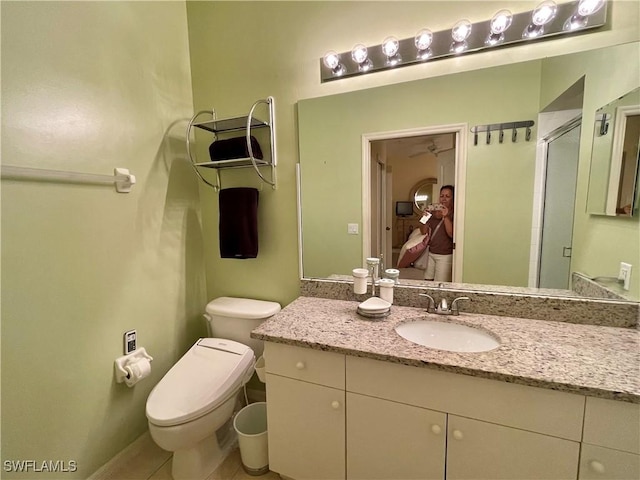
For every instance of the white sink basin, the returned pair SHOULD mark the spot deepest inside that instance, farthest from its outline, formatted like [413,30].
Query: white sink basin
[452,337]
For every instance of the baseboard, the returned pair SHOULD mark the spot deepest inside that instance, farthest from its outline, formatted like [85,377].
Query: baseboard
[126,457]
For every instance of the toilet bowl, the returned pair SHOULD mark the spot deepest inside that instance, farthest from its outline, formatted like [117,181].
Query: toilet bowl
[194,399]
[200,393]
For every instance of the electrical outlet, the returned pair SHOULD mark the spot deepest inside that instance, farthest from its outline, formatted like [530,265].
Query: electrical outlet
[625,274]
[352,228]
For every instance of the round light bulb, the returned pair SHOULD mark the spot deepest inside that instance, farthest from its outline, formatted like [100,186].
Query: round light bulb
[423,39]
[390,46]
[501,21]
[331,59]
[359,53]
[589,7]
[544,13]
[461,30]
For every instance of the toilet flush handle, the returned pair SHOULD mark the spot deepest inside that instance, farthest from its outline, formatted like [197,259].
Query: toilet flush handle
[300,365]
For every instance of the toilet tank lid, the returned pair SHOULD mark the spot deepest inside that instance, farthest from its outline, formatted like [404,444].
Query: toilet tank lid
[242,308]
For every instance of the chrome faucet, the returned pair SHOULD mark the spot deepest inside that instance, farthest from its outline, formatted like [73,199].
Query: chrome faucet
[443,308]
[454,307]
[431,308]
[373,264]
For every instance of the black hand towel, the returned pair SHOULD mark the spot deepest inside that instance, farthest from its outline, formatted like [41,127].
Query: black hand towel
[239,223]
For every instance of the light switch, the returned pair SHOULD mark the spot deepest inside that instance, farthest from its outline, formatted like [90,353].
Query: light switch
[352,228]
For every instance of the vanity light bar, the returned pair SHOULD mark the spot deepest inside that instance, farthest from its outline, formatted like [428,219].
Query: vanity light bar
[564,19]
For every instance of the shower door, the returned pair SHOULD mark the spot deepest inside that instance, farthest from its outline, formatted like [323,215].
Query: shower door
[559,204]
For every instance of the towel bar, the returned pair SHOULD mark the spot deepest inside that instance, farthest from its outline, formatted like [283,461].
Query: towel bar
[121,177]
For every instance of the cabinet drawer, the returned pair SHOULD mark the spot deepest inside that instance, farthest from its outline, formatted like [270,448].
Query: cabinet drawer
[323,368]
[599,463]
[612,424]
[530,408]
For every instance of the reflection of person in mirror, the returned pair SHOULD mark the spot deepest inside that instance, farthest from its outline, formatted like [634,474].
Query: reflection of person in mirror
[439,267]
[626,210]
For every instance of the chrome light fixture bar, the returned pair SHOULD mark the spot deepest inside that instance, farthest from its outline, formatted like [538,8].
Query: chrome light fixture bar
[548,20]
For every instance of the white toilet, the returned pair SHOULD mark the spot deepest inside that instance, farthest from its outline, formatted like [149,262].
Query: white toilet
[198,394]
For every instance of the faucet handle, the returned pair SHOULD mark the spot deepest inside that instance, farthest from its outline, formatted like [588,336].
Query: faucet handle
[454,307]
[432,303]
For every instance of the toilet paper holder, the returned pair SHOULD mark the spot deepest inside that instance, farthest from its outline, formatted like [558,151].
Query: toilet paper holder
[122,362]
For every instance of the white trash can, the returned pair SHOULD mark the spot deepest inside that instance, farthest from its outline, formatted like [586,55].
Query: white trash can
[251,426]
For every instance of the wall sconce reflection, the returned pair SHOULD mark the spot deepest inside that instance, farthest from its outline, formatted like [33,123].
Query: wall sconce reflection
[332,60]
[390,47]
[541,16]
[459,33]
[422,41]
[360,55]
[580,18]
[499,24]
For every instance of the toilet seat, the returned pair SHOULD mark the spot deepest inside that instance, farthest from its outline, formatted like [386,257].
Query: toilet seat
[205,377]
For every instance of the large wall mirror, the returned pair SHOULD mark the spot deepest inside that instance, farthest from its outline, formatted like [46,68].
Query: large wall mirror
[498,184]
[615,158]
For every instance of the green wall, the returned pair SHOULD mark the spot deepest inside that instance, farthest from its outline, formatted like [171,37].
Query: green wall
[87,87]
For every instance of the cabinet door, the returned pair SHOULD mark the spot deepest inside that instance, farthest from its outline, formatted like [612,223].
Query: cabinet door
[612,424]
[599,463]
[306,424]
[389,440]
[478,449]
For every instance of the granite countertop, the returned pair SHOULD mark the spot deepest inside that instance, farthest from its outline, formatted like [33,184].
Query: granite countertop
[589,360]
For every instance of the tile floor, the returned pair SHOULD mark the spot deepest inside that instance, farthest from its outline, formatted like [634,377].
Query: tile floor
[147,461]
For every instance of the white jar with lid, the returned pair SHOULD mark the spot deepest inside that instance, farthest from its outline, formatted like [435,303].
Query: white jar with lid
[386,289]
[392,273]
[360,280]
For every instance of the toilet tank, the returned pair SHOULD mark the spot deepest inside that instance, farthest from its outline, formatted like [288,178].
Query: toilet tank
[234,318]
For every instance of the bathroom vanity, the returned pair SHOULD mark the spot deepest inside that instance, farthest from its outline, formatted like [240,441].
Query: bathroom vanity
[349,398]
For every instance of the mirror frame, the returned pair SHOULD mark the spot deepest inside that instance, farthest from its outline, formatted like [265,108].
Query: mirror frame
[617,157]
[416,188]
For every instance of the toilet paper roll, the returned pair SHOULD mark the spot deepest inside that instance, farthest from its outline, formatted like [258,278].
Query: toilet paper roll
[136,371]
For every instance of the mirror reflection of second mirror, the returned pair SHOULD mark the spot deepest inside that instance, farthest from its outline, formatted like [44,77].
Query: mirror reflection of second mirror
[615,158]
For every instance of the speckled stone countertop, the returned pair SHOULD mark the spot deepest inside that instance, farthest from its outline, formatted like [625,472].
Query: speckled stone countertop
[590,360]
[539,304]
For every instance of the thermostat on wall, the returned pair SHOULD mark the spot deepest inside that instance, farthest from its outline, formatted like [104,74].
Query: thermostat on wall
[130,341]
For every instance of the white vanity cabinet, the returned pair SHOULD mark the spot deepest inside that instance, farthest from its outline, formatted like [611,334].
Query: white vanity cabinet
[305,412]
[611,443]
[332,416]
[494,429]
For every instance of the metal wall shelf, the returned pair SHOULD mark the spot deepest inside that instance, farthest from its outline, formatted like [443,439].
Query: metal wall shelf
[245,124]
[235,124]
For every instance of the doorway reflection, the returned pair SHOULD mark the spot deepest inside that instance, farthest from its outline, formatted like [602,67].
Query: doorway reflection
[405,169]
